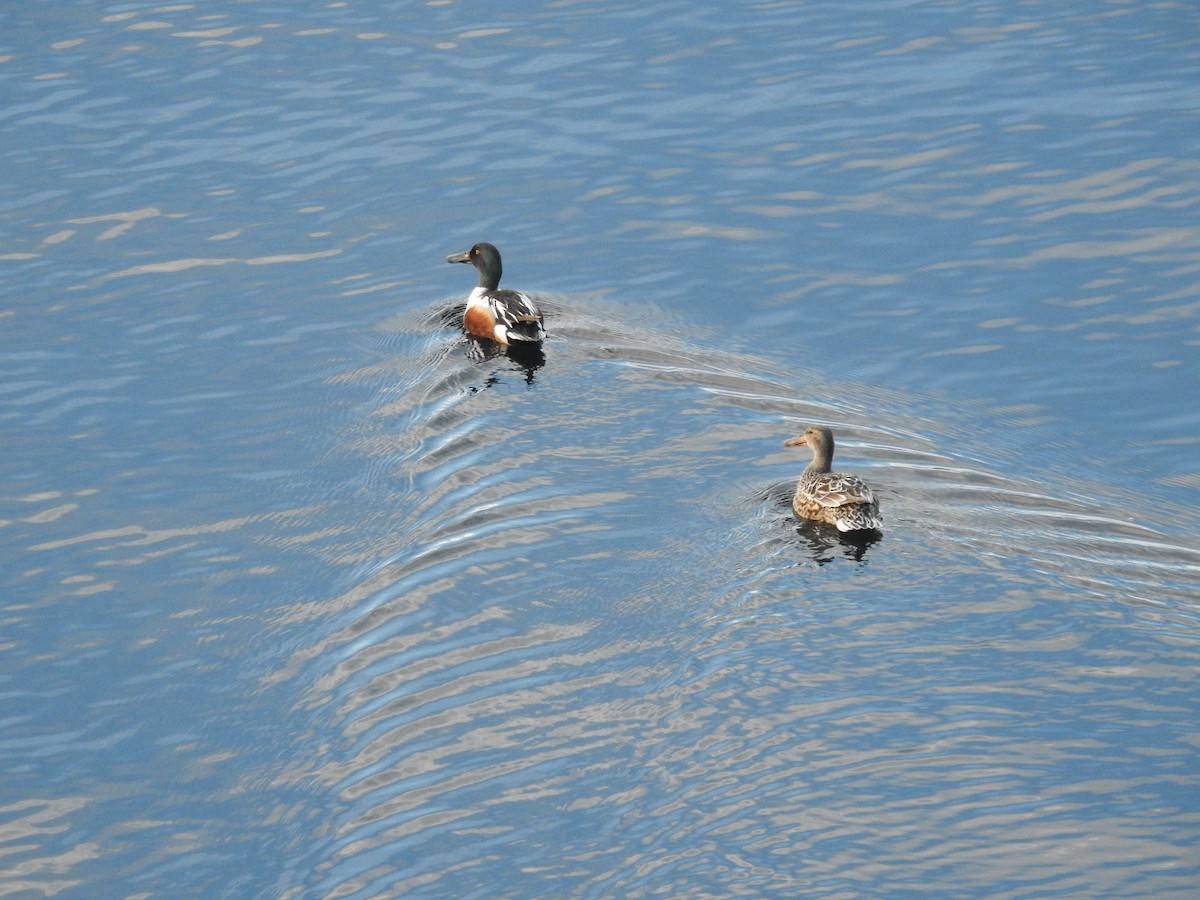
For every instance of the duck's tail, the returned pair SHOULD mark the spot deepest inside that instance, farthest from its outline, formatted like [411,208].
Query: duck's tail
[859,517]
[526,329]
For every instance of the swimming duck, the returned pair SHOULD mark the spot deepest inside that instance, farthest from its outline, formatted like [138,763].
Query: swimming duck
[495,315]
[836,498]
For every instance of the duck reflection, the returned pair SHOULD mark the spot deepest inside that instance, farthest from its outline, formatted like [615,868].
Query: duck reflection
[528,358]
[825,543]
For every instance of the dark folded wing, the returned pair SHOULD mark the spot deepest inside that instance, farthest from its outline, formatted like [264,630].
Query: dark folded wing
[516,313]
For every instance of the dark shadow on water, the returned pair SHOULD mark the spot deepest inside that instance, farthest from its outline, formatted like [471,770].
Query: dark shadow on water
[825,543]
[526,358]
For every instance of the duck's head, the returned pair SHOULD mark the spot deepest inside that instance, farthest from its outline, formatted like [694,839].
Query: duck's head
[484,257]
[818,437]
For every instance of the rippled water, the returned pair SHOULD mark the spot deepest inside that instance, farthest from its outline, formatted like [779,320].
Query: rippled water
[306,596]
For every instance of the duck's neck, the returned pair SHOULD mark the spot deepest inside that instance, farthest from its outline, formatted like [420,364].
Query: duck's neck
[822,461]
[489,280]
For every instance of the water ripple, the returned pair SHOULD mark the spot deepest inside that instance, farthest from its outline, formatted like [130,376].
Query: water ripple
[488,696]
[304,594]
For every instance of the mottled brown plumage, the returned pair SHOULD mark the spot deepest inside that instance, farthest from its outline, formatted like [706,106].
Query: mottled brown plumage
[837,498]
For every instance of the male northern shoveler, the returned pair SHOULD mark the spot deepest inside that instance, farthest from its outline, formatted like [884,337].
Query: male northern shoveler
[502,316]
[836,498]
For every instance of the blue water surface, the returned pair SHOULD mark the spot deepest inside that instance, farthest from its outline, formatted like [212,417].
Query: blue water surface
[306,596]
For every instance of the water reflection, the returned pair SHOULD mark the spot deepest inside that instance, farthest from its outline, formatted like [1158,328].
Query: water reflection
[524,357]
[825,543]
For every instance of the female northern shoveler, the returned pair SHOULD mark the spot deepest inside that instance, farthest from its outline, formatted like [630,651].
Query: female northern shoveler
[501,316]
[836,498]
